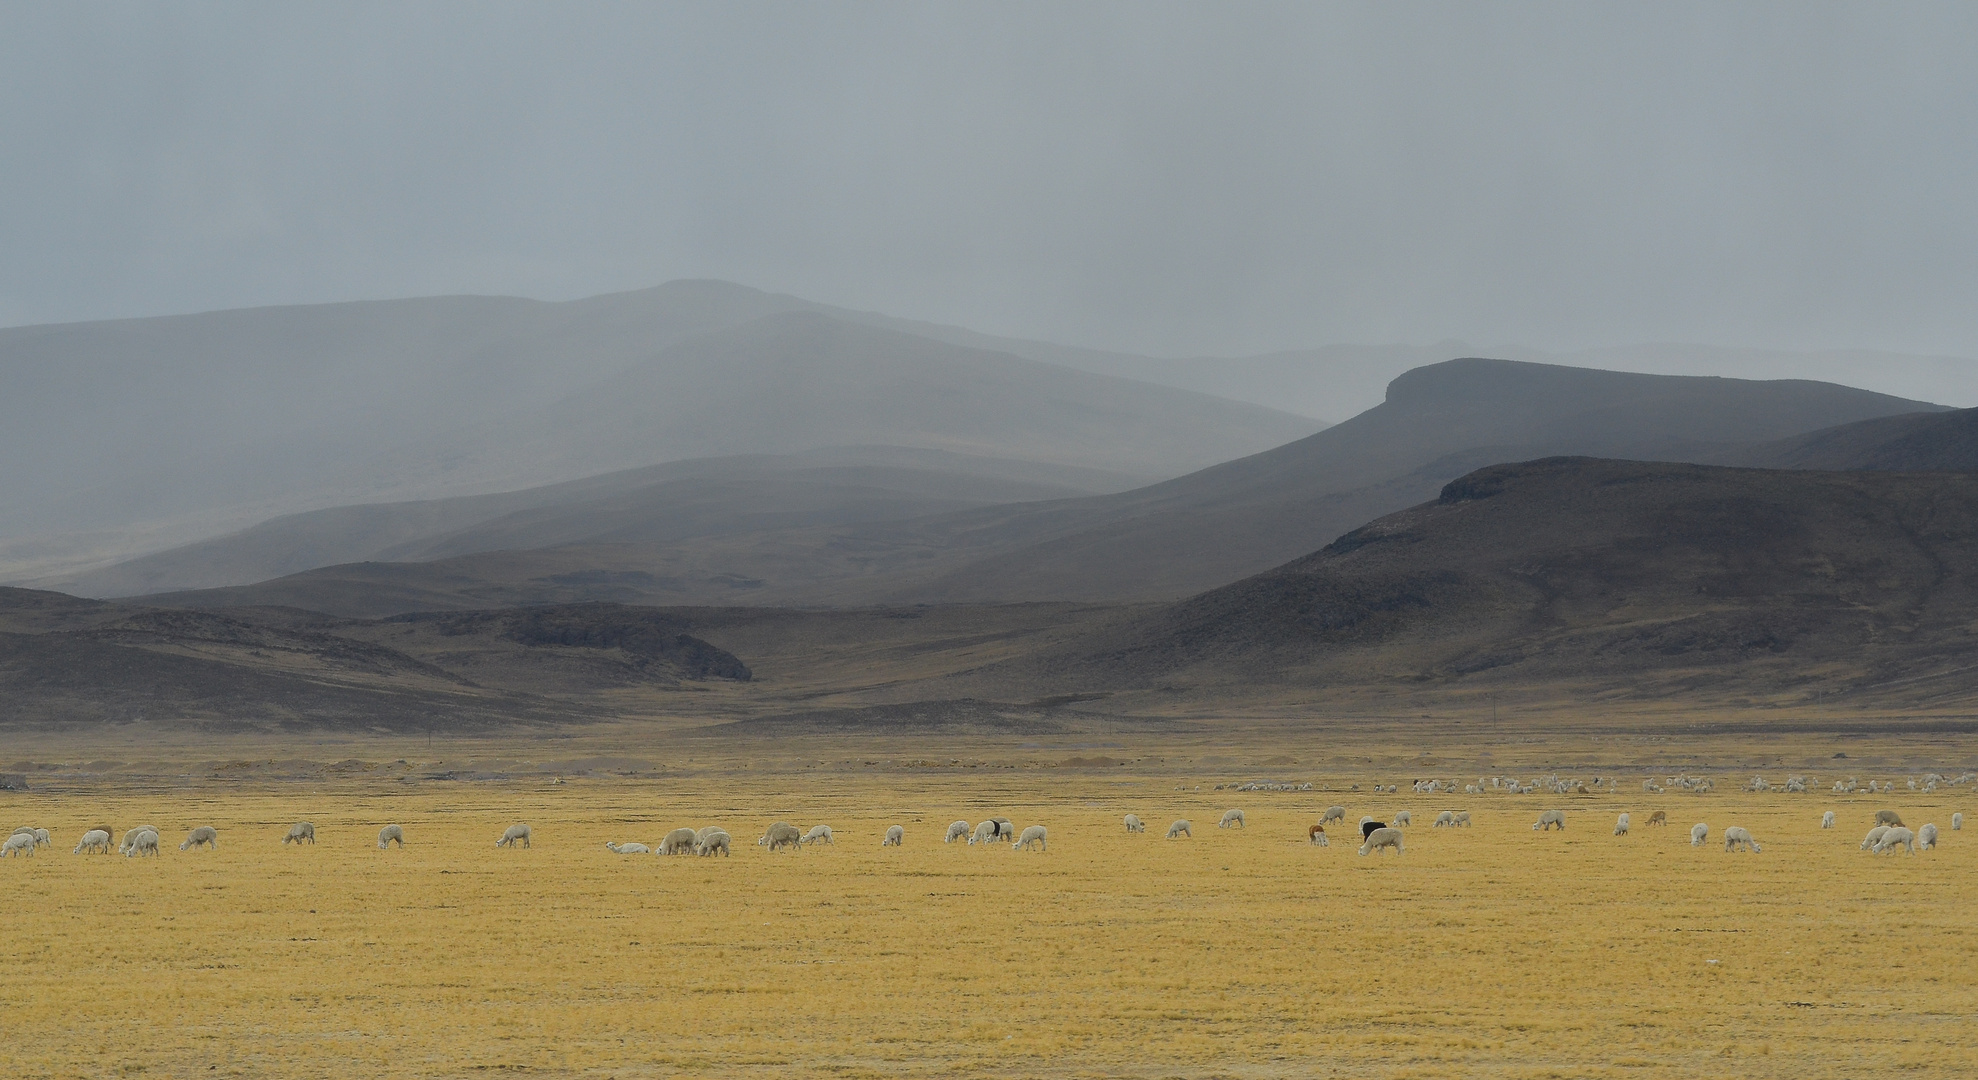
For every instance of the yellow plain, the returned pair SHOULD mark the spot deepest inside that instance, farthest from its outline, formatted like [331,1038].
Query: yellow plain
[1488,951]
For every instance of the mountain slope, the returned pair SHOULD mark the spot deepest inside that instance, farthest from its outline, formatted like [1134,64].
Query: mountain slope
[129,436]
[1636,578]
[1912,442]
[1153,543]
[700,498]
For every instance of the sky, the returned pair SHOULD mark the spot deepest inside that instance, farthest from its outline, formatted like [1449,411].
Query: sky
[1175,179]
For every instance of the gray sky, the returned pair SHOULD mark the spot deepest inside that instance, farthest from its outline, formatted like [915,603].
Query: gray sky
[1213,178]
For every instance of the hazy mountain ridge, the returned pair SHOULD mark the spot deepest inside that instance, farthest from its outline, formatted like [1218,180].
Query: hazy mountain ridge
[1159,542]
[147,431]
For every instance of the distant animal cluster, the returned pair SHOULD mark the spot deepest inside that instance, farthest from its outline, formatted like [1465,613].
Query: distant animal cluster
[1378,836]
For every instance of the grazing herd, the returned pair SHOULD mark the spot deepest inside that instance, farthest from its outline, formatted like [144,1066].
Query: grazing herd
[1890,834]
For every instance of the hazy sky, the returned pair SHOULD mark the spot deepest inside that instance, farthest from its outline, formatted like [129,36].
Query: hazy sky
[1216,178]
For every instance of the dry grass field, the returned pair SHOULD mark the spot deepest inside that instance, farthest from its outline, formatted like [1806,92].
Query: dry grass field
[1488,951]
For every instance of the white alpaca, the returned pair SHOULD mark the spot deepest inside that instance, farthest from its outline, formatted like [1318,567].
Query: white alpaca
[780,835]
[300,832]
[18,844]
[1380,839]
[895,836]
[819,834]
[1874,836]
[1133,823]
[1621,825]
[1403,818]
[146,843]
[1896,837]
[985,832]
[1444,820]
[130,837]
[1699,832]
[41,837]
[628,849]
[1736,837]
[1033,834]
[1462,818]
[202,835]
[516,834]
[713,840]
[1232,819]
[94,840]
[1181,828]
[1926,837]
[390,834]
[958,830]
[1334,813]
[1549,820]
[1957,821]
[1827,820]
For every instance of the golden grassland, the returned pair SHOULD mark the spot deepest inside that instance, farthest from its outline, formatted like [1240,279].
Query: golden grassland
[1489,951]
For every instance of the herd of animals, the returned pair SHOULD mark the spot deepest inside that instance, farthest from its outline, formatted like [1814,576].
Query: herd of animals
[1888,835]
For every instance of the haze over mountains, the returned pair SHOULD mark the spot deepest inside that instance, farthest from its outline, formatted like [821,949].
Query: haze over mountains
[1158,542]
[145,431]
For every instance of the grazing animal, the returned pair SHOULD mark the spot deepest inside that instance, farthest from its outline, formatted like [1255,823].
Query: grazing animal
[1926,837]
[1888,817]
[628,849]
[300,832]
[984,833]
[1369,826]
[1180,828]
[895,836]
[1133,823]
[1874,836]
[94,840]
[1033,834]
[1660,817]
[515,834]
[1699,832]
[1548,820]
[41,837]
[18,844]
[1382,838]
[1232,819]
[1957,821]
[1444,820]
[1333,813]
[1736,837]
[1621,825]
[958,830]
[711,841]
[1896,837]
[390,834]
[1004,830]
[1827,820]
[819,834]
[780,835]
[202,835]
[1403,818]
[1317,835]
[1463,818]
[146,843]
[130,837]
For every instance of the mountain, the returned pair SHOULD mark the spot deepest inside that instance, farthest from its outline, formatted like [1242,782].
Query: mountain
[1158,542]
[701,499]
[1918,442]
[1624,581]
[132,436]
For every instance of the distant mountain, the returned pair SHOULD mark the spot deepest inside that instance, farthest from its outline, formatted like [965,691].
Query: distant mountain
[1159,542]
[1629,580]
[1437,423]
[1914,442]
[132,436]
[702,499]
